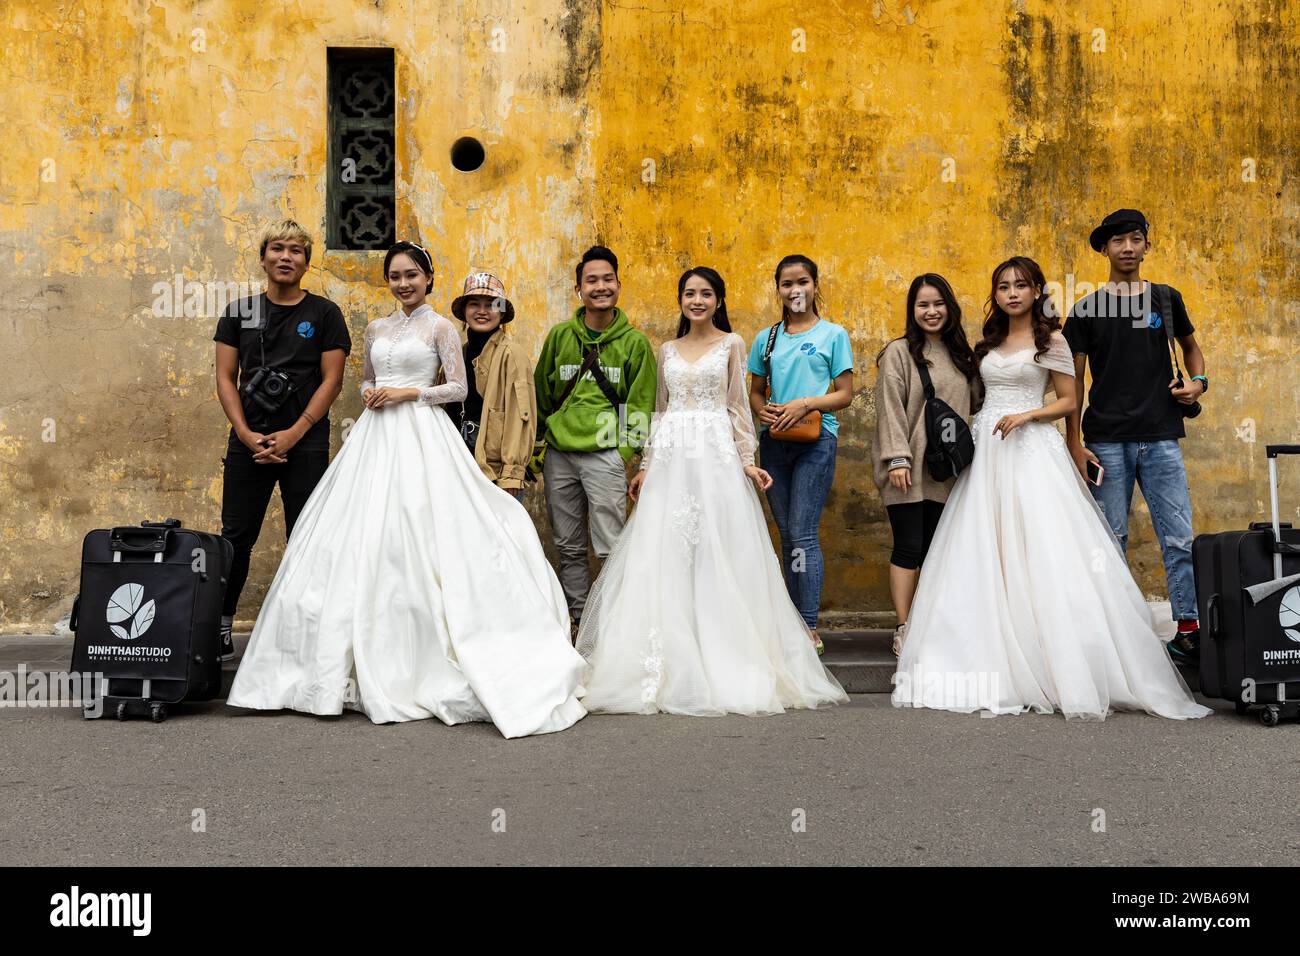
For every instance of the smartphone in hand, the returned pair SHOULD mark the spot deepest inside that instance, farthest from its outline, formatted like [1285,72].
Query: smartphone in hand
[1095,472]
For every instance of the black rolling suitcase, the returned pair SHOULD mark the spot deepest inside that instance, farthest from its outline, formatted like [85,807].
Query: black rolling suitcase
[1248,594]
[148,618]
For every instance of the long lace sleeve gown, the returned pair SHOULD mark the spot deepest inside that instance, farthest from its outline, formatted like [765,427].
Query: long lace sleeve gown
[690,614]
[412,586]
[1025,601]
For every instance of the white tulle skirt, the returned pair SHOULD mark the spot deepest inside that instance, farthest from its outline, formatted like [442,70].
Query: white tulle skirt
[412,587]
[690,613]
[1025,601]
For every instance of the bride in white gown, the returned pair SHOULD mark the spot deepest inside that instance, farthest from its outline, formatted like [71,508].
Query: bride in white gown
[1025,601]
[412,586]
[690,614]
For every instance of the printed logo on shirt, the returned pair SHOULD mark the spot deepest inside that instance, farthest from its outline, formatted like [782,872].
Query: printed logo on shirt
[306,329]
[1154,321]
[612,372]
[808,348]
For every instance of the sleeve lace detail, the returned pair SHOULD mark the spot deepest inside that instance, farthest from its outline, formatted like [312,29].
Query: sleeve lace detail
[1058,357]
[742,421]
[661,403]
[368,365]
[446,342]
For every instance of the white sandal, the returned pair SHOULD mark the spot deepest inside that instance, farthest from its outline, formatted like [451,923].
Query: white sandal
[900,632]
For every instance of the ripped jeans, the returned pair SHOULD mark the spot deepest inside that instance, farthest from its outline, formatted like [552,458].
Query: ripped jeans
[1158,469]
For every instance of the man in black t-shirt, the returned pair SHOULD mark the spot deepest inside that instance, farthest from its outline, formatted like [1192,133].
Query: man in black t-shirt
[1136,405]
[279,362]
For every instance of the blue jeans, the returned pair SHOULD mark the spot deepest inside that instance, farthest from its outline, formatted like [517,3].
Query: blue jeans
[1158,469]
[801,479]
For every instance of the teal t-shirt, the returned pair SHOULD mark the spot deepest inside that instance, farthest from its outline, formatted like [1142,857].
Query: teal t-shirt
[804,365]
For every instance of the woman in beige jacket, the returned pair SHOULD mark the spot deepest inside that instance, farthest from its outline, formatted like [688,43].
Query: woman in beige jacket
[499,417]
[913,500]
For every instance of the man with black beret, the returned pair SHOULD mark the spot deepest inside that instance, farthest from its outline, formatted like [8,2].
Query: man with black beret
[1136,405]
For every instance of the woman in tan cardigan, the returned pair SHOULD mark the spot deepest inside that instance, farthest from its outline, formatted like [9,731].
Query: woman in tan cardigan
[499,416]
[914,500]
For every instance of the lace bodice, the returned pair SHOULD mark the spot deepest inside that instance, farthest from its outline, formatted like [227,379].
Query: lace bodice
[1015,382]
[708,392]
[407,351]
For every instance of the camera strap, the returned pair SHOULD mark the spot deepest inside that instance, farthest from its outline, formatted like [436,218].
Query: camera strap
[1164,305]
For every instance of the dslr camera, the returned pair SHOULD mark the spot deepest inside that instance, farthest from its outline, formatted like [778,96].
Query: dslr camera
[1189,411]
[266,390]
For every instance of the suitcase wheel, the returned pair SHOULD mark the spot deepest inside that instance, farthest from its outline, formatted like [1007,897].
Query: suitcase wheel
[157,712]
[121,710]
[1270,715]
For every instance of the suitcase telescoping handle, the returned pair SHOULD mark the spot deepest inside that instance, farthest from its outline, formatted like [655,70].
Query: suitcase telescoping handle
[1279,546]
[169,523]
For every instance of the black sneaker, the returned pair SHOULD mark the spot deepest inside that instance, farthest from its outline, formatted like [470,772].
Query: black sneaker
[227,646]
[1186,646]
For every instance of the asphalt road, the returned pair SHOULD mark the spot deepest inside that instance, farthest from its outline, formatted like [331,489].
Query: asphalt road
[875,786]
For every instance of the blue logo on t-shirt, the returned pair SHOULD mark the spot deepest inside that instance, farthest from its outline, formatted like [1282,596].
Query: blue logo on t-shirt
[808,348]
[1154,321]
[306,329]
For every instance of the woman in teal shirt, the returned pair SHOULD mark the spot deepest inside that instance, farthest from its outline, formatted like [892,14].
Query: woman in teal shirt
[810,369]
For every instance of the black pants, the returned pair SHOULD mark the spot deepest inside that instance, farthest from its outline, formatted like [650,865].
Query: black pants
[913,525]
[246,493]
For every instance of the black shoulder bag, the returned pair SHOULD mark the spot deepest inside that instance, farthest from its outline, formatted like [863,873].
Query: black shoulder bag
[949,445]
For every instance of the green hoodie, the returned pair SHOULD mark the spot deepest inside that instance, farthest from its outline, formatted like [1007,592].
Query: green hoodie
[588,422]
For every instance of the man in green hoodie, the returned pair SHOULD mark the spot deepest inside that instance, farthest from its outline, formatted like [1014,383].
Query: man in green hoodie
[598,426]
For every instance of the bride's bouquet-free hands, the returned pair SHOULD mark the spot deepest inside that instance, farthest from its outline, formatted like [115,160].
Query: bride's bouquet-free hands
[388,395]
[761,479]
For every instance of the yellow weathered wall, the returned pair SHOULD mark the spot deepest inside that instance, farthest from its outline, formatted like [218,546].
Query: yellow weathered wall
[168,160]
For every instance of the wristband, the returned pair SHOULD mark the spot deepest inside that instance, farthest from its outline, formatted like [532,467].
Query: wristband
[1205,383]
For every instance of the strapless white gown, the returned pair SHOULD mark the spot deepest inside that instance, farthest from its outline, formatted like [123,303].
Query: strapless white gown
[1025,600]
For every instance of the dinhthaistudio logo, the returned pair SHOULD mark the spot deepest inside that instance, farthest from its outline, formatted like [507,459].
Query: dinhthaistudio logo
[129,615]
[306,329]
[1288,614]
[808,348]
[1154,321]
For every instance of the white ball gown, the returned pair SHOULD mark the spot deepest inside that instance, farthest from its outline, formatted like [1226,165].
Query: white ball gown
[690,613]
[412,586]
[1025,600]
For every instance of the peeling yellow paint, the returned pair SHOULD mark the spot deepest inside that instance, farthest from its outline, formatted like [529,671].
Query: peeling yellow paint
[134,159]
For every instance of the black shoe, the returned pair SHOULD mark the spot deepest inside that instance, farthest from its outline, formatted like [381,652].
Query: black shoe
[227,646]
[1186,646]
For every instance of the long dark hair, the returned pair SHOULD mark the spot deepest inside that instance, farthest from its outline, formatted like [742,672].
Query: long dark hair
[710,276]
[953,335]
[799,260]
[997,323]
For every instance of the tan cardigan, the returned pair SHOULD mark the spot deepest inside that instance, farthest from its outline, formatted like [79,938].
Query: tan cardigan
[504,377]
[900,419]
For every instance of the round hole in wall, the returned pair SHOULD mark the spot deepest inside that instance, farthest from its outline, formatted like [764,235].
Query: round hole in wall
[467,154]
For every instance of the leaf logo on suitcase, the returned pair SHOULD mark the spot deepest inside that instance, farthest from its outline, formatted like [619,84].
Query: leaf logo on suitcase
[1288,614]
[125,606]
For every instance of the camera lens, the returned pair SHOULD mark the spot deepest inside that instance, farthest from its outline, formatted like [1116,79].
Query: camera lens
[274,386]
